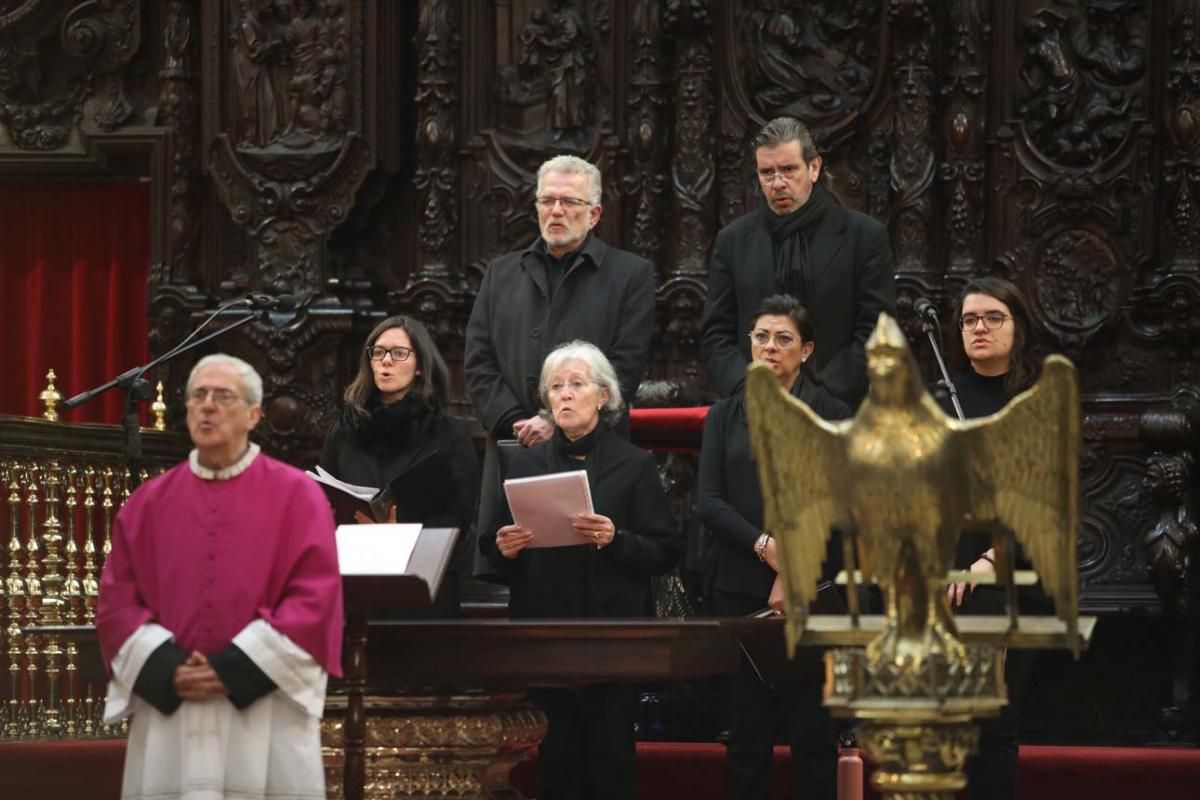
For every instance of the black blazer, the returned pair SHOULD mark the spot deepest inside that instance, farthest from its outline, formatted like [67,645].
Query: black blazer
[584,581]
[730,499]
[606,298]
[852,281]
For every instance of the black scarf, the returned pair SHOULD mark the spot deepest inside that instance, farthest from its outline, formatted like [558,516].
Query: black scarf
[391,427]
[790,234]
[581,446]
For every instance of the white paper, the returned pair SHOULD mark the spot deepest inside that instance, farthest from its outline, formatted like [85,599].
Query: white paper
[376,549]
[547,504]
[323,476]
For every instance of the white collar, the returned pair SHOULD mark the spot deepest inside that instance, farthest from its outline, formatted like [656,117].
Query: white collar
[232,471]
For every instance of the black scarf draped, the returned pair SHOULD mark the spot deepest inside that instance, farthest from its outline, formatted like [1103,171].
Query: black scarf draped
[790,233]
[391,427]
[581,446]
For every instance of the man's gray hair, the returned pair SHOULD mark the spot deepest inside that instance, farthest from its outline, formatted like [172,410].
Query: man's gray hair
[598,365]
[252,386]
[574,165]
[787,129]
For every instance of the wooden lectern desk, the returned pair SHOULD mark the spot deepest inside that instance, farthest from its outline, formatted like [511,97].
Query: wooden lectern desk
[437,708]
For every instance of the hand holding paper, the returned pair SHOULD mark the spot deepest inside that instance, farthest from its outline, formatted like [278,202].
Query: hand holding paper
[512,539]
[549,505]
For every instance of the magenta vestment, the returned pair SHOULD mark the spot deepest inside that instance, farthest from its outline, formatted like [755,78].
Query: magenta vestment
[205,558]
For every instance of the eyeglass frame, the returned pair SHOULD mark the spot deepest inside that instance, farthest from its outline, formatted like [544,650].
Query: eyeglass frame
[768,177]
[370,350]
[962,321]
[220,395]
[550,390]
[774,337]
[568,203]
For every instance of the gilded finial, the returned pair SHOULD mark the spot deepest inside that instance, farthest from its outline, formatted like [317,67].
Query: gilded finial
[159,407]
[50,397]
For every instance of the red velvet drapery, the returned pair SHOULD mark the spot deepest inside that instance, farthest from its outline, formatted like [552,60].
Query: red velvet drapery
[73,263]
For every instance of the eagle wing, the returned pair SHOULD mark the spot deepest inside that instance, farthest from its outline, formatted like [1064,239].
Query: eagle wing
[801,467]
[1023,465]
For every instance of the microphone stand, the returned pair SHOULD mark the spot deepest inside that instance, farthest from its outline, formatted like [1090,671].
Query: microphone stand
[137,388]
[931,330]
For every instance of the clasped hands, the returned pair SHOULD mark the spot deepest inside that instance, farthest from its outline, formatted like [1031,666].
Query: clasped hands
[196,680]
[512,539]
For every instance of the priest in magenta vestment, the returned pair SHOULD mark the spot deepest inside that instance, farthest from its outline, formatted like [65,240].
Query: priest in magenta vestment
[220,612]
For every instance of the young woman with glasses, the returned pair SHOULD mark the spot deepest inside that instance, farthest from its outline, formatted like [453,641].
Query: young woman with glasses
[394,416]
[998,340]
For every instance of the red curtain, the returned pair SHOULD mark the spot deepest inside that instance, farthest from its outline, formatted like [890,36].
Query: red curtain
[73,263]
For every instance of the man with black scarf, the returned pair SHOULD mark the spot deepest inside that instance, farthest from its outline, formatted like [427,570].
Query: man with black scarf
[835,261]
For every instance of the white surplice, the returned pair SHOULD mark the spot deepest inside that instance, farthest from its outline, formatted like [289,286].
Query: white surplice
[210,750]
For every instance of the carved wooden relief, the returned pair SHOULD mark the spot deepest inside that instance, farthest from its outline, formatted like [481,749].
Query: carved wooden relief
[60,70]
[285,123]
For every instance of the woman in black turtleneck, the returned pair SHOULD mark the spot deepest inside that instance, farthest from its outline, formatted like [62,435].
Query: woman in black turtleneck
[588,751]
[744,570]
[997,339]
[395,416]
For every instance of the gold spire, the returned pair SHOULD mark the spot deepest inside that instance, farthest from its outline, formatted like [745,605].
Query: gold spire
[50,398]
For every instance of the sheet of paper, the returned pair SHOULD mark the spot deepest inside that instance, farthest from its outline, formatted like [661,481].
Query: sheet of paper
[546,504]
[376,549]
[323,476]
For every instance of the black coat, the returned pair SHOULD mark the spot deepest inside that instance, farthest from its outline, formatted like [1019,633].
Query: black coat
[359,452]
[730,497]
[851,282]
[606,297]
[583,580]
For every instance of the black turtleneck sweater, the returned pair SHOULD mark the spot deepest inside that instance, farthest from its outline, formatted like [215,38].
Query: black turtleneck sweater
[979,395]
[583,580]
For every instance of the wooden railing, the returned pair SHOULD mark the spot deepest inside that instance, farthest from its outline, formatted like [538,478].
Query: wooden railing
[61,485]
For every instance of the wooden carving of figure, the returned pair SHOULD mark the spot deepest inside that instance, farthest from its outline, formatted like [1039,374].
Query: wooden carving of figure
[566,55]
[302,37]
[334,47]
[252,72]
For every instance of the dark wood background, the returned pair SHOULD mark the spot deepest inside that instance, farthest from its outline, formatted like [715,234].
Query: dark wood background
[371,157]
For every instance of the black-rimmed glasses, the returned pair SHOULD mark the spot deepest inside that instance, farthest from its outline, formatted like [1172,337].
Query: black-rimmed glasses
[991,320]
[398,353]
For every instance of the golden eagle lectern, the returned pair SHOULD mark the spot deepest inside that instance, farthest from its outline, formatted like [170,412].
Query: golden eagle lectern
[904,480]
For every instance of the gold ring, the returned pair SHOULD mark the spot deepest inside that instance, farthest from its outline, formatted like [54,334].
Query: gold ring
[597,536]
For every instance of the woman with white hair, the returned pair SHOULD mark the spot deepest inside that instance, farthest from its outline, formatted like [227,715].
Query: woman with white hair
[588,751]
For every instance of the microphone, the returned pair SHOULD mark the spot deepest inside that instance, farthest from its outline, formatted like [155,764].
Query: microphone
[283,302]
[926,310]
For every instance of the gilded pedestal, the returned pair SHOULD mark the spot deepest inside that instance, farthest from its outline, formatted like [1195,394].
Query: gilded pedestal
[435,746]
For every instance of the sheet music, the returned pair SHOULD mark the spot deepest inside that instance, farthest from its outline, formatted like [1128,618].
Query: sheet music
[546,504]
[361,492]
[376,549]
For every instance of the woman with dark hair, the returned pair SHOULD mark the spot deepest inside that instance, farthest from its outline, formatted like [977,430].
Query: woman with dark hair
[394,417]
[588,752]
[998,341]
[741,574]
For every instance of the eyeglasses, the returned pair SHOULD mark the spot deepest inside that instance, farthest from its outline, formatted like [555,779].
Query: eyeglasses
[787,172]
[783,339]
[222,397]
[576,386]
[991,320]
[377,353]
[568,203]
